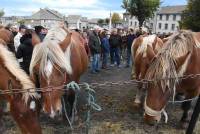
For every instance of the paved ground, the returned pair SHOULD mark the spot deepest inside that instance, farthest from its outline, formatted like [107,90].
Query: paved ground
[117,116]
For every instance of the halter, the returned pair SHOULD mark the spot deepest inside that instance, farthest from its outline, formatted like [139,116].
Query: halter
[157,114]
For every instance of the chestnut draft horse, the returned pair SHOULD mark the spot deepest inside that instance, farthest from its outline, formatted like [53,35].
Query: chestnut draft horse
[179,56]
[60,59]
[143,50]
[22,105]
[7,39]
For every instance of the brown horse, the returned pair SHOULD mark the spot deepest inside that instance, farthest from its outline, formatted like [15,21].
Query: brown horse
[179,57]
[7,39]
[59,59]
[143,50]
[22,105]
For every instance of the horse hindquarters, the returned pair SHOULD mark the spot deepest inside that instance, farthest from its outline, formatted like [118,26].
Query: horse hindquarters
[26,119]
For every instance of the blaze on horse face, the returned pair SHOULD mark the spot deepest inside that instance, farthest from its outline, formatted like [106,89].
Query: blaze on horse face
[53,82]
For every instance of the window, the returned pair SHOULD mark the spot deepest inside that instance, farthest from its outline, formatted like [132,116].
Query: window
[135,23]
[174,17]
[173,27]
[160,16]
[131,23]
[167,17]
[159,25]
[166,26]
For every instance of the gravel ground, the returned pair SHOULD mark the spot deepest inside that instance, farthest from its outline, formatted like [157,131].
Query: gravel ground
[117,116]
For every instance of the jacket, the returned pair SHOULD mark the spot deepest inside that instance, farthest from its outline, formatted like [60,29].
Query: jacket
[105,45]
[94,43]
[115,41]
[25,51]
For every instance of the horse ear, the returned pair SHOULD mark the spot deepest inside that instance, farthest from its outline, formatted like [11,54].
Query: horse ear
[35,39]
[64,44]
[181,60]
[150,53]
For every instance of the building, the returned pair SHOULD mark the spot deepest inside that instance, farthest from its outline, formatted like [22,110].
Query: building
[45,17]
[166,20]
[77,22]
[12,20]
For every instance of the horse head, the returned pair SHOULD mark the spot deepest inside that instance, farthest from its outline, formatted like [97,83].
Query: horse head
[51,68]
[172,62]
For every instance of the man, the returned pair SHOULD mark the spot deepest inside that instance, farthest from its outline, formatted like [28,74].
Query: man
[95,49]
[115,43]
[40,32]
[22,29]
[131,37]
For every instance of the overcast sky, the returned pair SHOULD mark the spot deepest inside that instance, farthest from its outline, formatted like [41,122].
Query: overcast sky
[87,8]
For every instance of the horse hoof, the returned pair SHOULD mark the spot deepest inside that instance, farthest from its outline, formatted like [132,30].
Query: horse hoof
[184,125]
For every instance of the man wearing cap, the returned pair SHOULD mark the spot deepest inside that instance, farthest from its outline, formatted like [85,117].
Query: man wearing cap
[95,49]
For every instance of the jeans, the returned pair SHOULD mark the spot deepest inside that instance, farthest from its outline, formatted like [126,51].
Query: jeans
[128,56]
[105,59]
[115,54]
[95,62]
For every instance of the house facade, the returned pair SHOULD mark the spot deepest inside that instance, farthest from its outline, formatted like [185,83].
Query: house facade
[165,21]
[45,17]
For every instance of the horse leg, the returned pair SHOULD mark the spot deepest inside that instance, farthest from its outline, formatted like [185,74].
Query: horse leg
[186,106]
[26,119]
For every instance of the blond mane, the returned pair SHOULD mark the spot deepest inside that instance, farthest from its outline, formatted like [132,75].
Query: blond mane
[143,47]
[13,67]
[164,65]
[49,51]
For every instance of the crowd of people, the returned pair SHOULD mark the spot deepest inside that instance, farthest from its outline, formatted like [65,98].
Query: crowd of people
[105,48]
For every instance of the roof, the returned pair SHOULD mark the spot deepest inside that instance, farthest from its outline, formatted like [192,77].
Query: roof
[172,9]
[47,14]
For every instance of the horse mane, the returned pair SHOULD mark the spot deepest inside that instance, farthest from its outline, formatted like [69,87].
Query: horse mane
[49,50]
[164,65]
[148,40]
[13,67]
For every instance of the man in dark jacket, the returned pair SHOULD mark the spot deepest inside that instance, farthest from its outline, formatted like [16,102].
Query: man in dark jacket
[115,43]
[25,50]
[131,37]
[95,49]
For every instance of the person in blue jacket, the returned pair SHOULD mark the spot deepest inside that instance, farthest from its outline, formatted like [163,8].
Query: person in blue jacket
[105,49]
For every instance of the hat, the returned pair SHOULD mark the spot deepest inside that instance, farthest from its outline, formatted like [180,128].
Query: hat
[22,27]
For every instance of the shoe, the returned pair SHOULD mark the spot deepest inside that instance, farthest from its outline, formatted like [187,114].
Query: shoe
[119,66]
[93,72]
[127,66]
[112,65]
[97,71]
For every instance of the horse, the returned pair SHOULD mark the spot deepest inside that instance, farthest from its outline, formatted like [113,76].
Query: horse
[143,50]
[22,105]
[178,57]
[7,39]
[58,60]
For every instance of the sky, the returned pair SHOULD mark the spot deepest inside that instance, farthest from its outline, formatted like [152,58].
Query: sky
[86,8]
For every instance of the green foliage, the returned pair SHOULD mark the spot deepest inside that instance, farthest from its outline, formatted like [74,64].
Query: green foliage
[2,12]
[107,20]
[21,22]
[100,21]
[142,9]
[191,16]
[116,18]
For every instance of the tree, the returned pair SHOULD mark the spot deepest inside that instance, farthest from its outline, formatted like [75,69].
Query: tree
[107,20]
[191,17]
[21,22]
[115,18]
[100,21]
[141,9]
[1,13]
